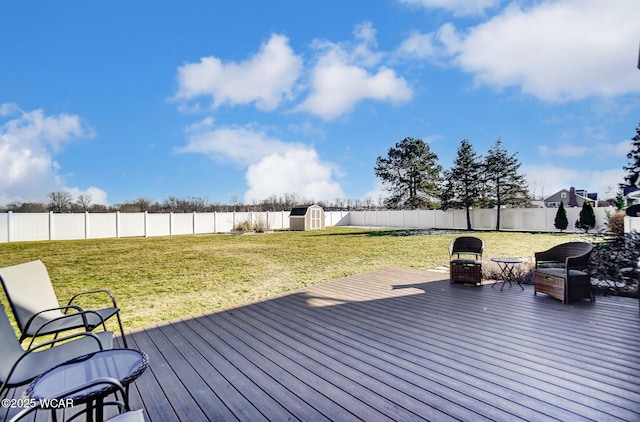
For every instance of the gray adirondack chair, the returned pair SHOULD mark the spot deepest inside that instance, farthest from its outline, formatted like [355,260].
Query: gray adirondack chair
[19,366]
[36,308]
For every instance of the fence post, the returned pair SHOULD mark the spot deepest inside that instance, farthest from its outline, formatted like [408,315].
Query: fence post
[171,223]
[215,221]
[50,225]
[194,222]
[145,223]
[86,225]
[117,224]
[9,226]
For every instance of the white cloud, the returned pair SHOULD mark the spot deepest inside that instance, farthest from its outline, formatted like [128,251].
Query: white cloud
[604,181]
[340,78]
[98,196]
[457,7]
[265,79]
[437,47]
[365,51]
[378,194]
[299,171]
[274,167]
[600,150]
[419,46]
[338,87]
[241,145]
[28,142]
[34,127]
[614,150]
[563,151]
[342,75]
[555,50]
[549,179]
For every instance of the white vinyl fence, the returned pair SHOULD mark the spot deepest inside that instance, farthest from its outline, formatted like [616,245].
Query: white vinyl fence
[16,227]
[518,219]
[631,224]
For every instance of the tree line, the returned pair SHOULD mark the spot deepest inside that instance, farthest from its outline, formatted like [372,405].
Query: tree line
[63,202]
[411,174]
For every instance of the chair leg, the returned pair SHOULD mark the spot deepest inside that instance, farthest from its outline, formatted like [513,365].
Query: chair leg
[124,339]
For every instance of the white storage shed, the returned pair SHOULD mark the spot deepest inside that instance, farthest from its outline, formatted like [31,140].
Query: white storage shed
[306,217]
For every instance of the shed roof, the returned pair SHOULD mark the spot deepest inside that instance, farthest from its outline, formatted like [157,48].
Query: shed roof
[301,209]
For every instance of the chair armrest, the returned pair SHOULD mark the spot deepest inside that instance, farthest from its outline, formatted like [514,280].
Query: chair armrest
[65,338]
[43,345]
[82,312]
[544,256]
[549,263]
[60,308]
[105,291]
[547,257]
[577,262]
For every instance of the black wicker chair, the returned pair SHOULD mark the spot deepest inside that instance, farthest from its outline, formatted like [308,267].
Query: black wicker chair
[462,268]
[563,272]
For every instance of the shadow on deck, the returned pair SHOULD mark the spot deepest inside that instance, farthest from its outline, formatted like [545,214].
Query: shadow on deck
[396,344]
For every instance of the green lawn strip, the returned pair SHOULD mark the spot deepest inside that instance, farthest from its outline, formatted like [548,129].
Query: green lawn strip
[160,278]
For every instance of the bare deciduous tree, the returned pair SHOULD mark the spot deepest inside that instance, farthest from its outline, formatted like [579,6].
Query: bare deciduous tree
[84,201]
[59,201]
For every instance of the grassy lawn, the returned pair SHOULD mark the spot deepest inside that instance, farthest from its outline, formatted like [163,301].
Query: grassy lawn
[162,278]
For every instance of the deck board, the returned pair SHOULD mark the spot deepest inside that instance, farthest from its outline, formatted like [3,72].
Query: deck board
[404,344]
[396,344]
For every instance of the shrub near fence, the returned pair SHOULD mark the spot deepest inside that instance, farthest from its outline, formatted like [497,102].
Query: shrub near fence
[15,227]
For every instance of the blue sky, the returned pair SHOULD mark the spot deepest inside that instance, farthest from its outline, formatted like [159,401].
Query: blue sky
[206,99]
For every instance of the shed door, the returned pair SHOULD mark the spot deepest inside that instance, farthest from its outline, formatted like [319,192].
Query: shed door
[316,219]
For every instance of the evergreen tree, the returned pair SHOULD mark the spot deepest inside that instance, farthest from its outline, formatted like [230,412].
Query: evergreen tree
[463,182]
[561,222]
[619,202]
[587,219]
[411,174]
[633,156]
[503,184]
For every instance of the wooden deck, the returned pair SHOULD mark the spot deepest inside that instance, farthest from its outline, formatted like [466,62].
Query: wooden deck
[396,344]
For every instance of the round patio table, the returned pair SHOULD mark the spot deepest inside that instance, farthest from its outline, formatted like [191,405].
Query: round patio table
[125,365]
[506,275]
